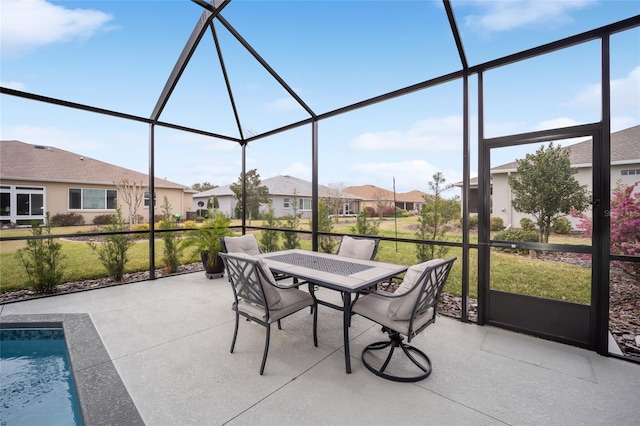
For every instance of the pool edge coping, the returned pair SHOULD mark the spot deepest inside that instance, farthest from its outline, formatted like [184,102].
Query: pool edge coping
[104,399]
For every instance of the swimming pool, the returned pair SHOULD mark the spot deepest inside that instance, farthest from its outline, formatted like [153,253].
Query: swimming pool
[37,384]
[104,399]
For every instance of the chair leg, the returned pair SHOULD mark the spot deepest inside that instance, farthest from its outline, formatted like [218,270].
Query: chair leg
[279,325]
[315,325]
[235,332]
[266,349]
[415,355]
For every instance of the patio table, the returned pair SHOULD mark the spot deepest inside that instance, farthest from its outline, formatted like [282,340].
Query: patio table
[343,274]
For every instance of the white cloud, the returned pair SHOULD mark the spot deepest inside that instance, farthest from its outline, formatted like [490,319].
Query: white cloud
[16,85]
[625,93]
[499,16]
[431,134]
[299,170]
[556,123]
[283,104]
[30,24]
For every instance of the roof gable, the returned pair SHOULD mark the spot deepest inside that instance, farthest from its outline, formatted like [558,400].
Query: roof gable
[625,146]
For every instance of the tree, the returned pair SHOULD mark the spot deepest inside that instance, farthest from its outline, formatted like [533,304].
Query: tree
[381,202]
[112,251]
[545,188]
[204,186]
[326,243]
[335,199]
[364,226]
[256,194]
[291,240]
[270,237]
[172,249]
[432,223]
[43,259]
[131,194]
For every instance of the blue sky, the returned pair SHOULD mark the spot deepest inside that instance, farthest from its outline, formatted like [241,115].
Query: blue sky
[118,54]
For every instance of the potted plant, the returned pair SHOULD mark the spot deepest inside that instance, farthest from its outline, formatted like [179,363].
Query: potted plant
[206,241]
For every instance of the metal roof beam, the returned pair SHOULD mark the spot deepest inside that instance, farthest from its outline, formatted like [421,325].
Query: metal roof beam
[199,30]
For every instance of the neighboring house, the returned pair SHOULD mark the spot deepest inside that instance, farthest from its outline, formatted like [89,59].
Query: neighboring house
[283,191]
[36,179]
[375,197]
[625,168]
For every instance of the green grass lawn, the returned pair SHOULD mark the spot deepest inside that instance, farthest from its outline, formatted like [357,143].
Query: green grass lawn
[509,272]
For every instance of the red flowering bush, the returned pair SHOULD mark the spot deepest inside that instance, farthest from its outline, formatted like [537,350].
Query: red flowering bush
[625,225]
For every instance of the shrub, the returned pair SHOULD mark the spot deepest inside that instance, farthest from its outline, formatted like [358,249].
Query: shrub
[67,219]
[527,224]
[371,212]
[189,224]
[43,260]
[404,213]
[516,235]
[496,224]
[390,211]
[103,219]
[561,225]
[200,219]
[112,251]
[140,227]
[365,226]
[473,221]
[172,249]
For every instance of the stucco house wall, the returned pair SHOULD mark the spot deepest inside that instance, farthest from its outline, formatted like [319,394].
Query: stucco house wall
[625,168]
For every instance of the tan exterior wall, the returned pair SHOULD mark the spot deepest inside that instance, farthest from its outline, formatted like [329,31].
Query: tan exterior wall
[56,200]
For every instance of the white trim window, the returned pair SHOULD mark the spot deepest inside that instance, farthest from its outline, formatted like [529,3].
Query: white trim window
[286,203]
[22,204]
[92,199]
[304,204]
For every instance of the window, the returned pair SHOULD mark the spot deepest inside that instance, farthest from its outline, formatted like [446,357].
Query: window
[5,203]
[22,204]
[92,199]
[146,199]
[286,203]
[630,172]
[304,203]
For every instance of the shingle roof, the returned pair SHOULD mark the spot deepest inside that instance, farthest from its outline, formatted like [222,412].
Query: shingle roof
[281,185]
[372,192]
[23,161]
[625,147]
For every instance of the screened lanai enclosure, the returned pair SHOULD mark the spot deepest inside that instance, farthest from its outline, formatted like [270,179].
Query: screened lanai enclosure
[438,98]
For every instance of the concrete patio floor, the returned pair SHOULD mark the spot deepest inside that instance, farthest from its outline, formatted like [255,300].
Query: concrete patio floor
[169,341]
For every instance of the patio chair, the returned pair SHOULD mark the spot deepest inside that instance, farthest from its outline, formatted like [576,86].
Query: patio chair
[358,247]
[406,312]
[259,298]
[248,244]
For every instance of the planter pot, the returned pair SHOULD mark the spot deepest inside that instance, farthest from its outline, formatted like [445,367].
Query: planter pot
[216,270]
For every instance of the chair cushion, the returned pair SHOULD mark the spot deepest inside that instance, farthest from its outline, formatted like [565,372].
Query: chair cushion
[402,307]
[357,248]
[292,300]
[244,244]
[376,307]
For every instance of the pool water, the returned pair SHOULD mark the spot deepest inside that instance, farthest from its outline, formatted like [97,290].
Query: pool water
[36,381]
